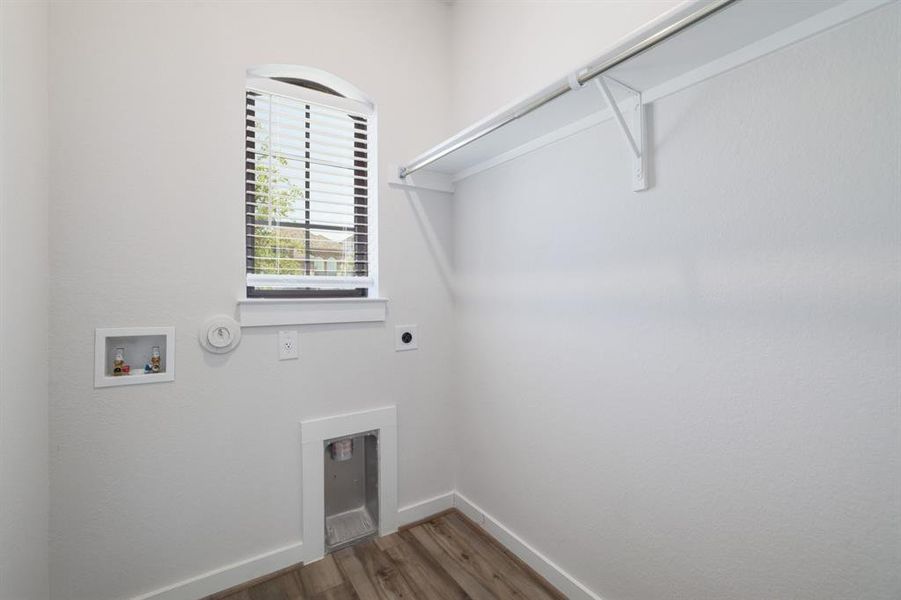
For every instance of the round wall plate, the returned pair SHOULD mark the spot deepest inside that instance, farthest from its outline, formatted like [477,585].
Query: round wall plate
[220,334]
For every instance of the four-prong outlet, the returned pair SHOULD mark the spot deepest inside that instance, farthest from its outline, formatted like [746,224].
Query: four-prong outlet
[406,337]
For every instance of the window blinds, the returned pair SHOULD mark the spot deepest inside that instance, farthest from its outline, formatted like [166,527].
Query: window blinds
[306,183]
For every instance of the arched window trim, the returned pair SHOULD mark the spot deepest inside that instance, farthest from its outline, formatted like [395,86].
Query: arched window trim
[343,87]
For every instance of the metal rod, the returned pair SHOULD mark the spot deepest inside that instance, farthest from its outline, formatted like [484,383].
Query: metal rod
[592,72]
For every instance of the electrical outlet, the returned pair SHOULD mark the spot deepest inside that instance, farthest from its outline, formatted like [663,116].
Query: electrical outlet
[406,337]
[287,345]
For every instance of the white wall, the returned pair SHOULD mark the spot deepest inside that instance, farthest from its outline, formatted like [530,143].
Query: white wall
[506,49]
[701,403]
[24,444]
[693,392]
[154,484]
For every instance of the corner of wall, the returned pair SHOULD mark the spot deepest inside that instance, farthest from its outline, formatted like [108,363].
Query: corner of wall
[24,283]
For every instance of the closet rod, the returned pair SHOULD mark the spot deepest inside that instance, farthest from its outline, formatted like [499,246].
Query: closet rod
[590,73]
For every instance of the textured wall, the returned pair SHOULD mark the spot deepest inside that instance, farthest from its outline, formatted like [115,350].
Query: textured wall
[154,484]
[692,392]
[507,49]
[24,443]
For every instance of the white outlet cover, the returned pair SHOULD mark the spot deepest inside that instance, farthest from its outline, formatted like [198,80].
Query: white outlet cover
[399,344]
[287,345]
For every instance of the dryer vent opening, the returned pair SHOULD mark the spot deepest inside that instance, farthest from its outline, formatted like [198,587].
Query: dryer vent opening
[351,490]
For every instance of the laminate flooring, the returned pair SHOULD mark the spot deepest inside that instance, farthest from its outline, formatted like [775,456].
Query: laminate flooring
[445,558]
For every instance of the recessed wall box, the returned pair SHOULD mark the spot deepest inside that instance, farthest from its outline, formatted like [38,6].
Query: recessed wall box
[351,490]
[133,355]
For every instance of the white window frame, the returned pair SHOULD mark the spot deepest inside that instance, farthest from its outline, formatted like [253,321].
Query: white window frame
[354,102]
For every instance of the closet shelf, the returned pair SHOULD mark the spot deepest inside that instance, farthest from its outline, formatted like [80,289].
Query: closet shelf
[694,42]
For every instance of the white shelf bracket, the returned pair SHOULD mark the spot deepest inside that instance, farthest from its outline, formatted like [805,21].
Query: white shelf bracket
[423,180]
[634,136]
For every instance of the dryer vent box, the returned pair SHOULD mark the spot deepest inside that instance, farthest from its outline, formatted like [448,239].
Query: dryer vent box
[351,490]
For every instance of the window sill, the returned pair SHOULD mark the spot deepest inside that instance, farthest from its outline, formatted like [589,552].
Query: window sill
[264,312]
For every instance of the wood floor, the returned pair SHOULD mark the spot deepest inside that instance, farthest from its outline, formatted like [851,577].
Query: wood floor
[445,558]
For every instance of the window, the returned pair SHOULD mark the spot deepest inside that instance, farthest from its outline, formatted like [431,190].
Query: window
[309,201]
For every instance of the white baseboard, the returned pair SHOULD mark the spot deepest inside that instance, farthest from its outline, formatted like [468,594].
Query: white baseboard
[237,573]
[571,587]
[422,510]
[229,575]
[269,562]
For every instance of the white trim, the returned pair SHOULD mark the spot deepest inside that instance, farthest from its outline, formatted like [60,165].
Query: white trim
[342,86]
[243,571]
[424,509]
[228,576]
[372,209]
[101,379]
[336,282]
[313,434]
[469,509]
[819,23]
[265,312]
[325,428]
[308,96]
[571,587]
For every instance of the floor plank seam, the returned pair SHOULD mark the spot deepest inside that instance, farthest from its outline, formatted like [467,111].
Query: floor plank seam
[447,556]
